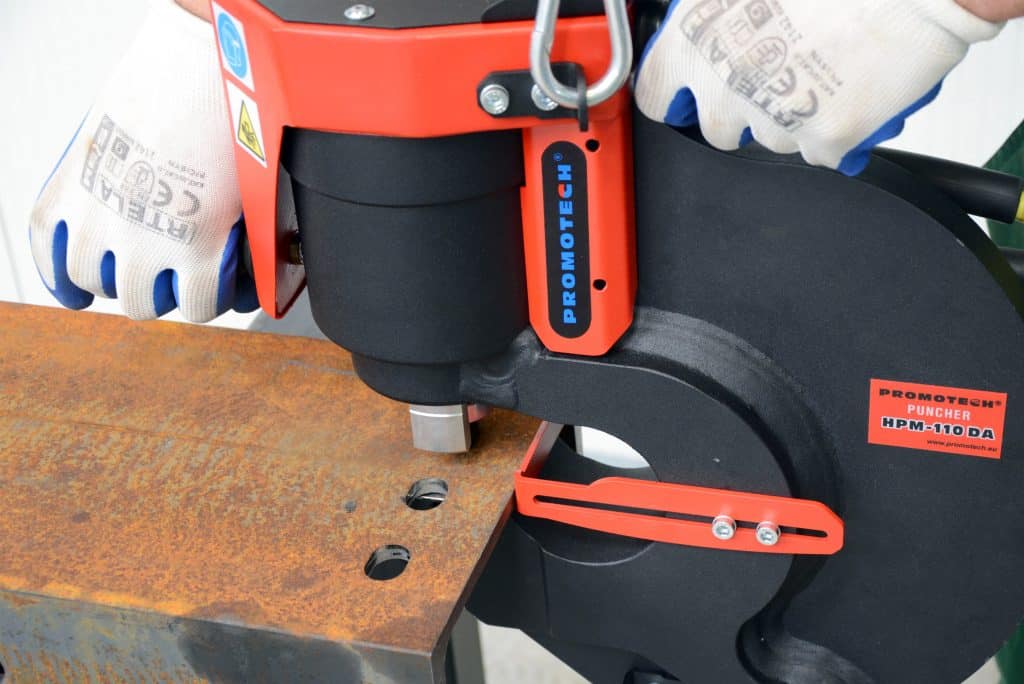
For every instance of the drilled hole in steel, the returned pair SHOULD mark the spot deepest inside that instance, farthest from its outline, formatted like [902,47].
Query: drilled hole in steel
[387,562]
[593,145]
[430,492]
[600,284]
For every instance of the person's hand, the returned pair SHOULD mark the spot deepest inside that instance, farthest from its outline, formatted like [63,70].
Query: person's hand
[144,205]
[830,79]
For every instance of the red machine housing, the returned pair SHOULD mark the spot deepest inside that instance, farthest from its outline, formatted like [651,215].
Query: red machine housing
[420,83]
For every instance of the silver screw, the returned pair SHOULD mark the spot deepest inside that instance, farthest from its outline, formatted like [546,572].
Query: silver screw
[723,527]
[542,101]
[494,99]
[359,12]
[768,533]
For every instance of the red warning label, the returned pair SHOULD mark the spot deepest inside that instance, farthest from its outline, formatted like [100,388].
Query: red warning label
[947,419]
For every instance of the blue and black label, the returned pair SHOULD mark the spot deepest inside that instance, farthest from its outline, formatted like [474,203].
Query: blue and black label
[567,236]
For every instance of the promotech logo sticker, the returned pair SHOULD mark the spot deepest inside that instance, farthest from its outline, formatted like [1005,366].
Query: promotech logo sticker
[567,238]
[950,420]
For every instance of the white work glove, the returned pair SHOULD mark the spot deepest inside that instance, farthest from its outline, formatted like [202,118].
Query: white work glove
[144,205]
[827,78]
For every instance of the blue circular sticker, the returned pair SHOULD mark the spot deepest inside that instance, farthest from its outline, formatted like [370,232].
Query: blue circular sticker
[232,46]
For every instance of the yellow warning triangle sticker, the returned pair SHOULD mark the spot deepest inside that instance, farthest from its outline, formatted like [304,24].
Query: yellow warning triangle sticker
[247,133]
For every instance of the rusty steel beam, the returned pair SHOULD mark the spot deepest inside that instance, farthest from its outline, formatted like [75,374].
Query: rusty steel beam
[181,503]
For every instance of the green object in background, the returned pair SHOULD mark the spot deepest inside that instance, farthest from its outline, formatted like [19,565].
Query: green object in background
[1009,159]
[1011,659]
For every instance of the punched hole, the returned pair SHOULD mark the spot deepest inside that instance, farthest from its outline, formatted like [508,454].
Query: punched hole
[387,562]
[600,284]
[430,492]
[593,145]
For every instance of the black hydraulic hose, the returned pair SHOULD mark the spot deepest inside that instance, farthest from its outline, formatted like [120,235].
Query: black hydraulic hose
[979,192]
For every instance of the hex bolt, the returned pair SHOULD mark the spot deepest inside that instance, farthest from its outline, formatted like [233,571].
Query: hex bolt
[494,99]
[768,533]
[542,101]
[359,12]
[723,527]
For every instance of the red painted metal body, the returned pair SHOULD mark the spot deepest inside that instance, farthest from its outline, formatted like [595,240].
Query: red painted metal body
[419,83]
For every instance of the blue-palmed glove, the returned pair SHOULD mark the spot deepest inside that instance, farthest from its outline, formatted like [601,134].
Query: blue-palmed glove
[144,206]
[830,79]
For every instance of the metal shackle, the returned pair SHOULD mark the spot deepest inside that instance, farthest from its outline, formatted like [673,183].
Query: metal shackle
[618,70]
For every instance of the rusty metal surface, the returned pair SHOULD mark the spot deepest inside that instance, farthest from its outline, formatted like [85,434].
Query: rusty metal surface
[200,504]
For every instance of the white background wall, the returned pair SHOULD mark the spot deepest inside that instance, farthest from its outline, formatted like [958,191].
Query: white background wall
[54,54]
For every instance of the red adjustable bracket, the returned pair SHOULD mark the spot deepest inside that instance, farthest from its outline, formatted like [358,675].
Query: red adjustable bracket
[763,524]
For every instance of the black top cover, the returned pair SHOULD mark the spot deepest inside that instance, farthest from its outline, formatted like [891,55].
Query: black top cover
[397,14]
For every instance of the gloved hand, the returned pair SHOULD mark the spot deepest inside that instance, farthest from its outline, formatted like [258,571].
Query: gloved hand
[144,205]
[830,79]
